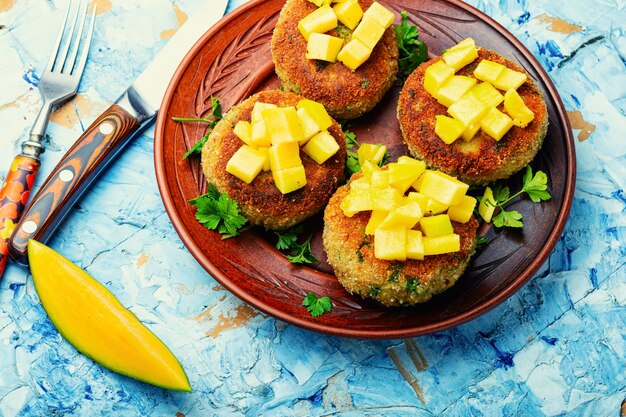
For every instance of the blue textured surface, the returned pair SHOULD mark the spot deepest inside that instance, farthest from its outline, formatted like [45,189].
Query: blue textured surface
[557,347]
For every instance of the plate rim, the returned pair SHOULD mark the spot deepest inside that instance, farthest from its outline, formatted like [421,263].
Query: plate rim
[456,320]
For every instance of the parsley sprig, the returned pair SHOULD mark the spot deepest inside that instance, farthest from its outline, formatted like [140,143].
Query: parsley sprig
[352,159]
[218,212]
[297,253]
[317,306]
[214,117]
[412,51]
[535,186]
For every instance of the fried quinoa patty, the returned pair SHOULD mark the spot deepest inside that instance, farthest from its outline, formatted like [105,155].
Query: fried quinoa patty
[351,254]
[482,160]
[346,94]
[260,201]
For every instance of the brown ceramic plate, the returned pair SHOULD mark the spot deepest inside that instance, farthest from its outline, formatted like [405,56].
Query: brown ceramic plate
[232,61]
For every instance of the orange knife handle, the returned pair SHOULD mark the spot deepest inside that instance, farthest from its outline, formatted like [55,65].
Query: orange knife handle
[82,164]
[13,198]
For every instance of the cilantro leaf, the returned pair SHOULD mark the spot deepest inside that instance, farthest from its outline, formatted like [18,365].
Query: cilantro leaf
[297,253]
[481,240]
[317,306]
[352,159]
[303,254]
[215,211]
[507,219]
[288,239]
[214,117]
[536,186]
[412,51]
[351,141]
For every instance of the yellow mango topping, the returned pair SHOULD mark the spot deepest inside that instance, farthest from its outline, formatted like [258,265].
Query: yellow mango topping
[321,147]
[360,184]
[380,14]
[257,111]
[349,13]
[379,179]
[390,244]
[442,244]
[510,80]
[470,131]
[436,75]
[320,21]
[243,130]
[371,152]
[468,110]
[259,136]
[461,54]
[376,218]
[517,109]
[354,53]
[496,124]
[428,205]
[386,199]
[488,71]
[265,153]
[369,32]
[403,175]
[290,179]
[487,205]
[367,168]
[317,112]
[246,163]
[356,201]
[414,245]
[448,129]
[454,88]
[283,125]
[435,226]
[462,212]
[487,94]
[284,155]
[443,188]
[406,216]
[320,3]
[323,47]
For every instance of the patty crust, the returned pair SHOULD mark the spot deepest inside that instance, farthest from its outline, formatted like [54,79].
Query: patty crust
[260,201]
[482,160]
[346,94]
[351,254]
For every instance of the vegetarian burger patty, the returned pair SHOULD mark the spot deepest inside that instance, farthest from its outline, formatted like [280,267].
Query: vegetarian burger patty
[260,201]
[351,254]
[482,160]
[346,94]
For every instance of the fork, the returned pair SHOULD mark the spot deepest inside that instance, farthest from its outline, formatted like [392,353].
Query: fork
[58,83]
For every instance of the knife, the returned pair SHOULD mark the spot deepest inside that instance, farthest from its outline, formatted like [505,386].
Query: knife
[101,142]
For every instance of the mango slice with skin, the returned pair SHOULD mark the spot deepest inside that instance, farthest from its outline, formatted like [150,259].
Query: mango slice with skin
[92,320]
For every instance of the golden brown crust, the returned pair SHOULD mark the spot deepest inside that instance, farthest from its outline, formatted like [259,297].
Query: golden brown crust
[346,94]
[483,159]
[260,201]
[351,254]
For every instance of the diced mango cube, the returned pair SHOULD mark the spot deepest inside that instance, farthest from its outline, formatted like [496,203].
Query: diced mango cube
[265,153]
[441,244]
[390,244]
[487,205]
[414,245]
[283,125]
[380,13]
[462,54]
[443,188]
[428,205]
[488,71]
[320,3]
[376,218]
[321,147]
[418,183]
[454,89]
[436,75]
[462,212]
[402,176]
[317,112]
[386,199]
[320,21]
[257,111]
[323,47]
[361,183]
[367,168]
[354,53]
[356,201]
[510,79]
[246,163]
[406,215]
[369,32]
[309,127]
[435,226]
[371,152]
[487,94]
[259,136]
[496,124]
[448,129]
[379,179]
[517,109]
[349,13]
[470,131]
[284,155]
[468,110]
[243,130]
[290,179]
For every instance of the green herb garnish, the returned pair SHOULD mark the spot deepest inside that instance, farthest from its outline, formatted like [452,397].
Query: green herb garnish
[317,306]
[214,117]
[297,253]
[216,211]
[352,159]
[412,51]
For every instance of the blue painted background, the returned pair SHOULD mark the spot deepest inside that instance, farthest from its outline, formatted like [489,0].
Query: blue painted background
[557,347]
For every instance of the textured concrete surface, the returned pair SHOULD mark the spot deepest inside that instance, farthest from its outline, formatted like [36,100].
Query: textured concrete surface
[557,347]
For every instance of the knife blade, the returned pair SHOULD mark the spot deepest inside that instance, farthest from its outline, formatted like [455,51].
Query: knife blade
[97,147]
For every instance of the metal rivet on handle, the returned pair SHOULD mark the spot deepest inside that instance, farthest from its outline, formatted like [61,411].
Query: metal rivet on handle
[106,128]
[66,175]
[29,227]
